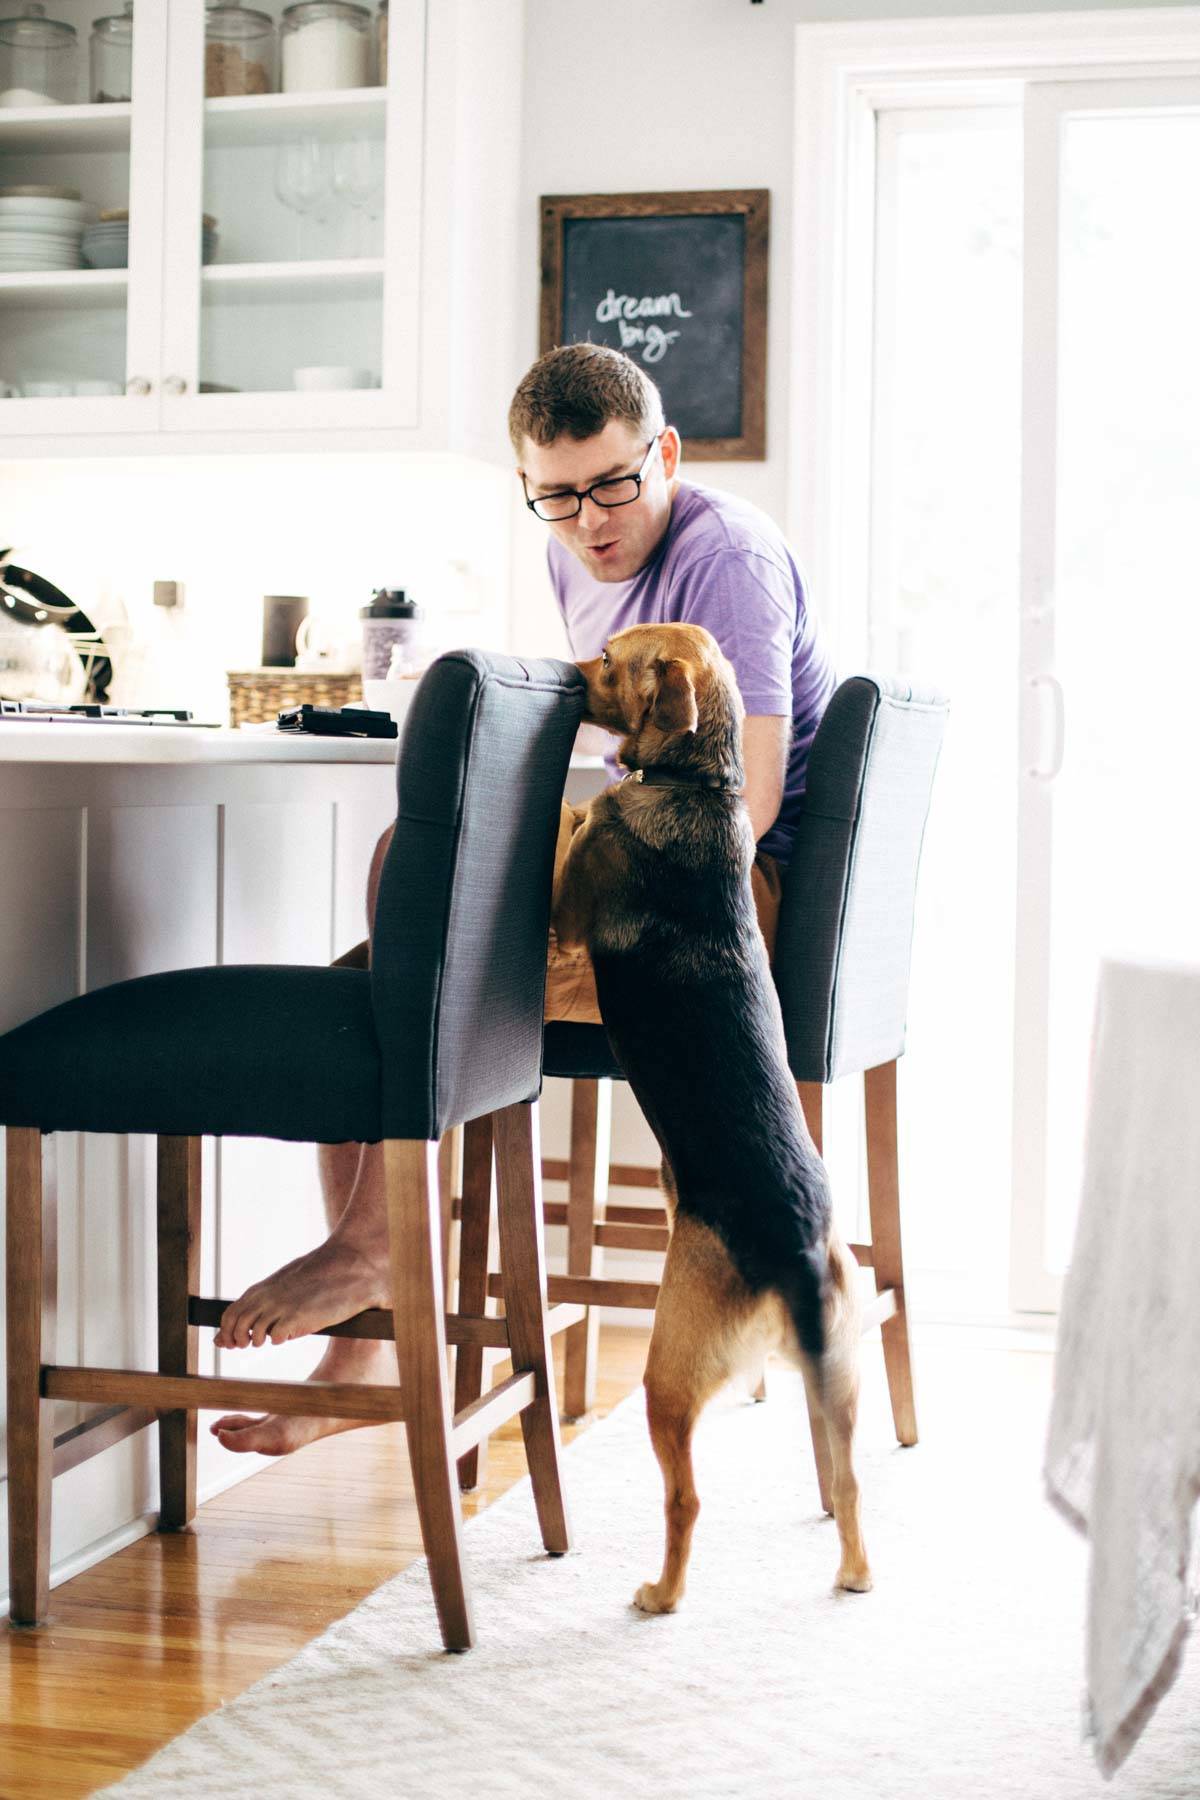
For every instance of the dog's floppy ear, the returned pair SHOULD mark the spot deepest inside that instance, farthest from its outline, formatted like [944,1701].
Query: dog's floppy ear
[674,705]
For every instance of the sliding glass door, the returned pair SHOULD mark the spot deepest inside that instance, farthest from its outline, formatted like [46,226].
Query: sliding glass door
[1110,599]
[1034,530]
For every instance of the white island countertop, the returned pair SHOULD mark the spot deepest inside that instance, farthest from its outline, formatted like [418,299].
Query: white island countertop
[59,742]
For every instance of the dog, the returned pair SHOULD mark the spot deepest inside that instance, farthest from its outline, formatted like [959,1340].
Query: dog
[656,885]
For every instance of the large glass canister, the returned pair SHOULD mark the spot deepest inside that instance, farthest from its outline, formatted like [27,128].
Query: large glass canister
[325,44]
[112,56]
[239,51]
[39,60]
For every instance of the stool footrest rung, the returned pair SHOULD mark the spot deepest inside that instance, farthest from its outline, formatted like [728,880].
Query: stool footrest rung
[491,1410]
[559,1317]
[99,1432]
[591,1290]
[461,1328]
[882,1307]
[172,1393]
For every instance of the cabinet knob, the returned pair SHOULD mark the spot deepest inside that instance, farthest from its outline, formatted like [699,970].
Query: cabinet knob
[137,384]
[174,384]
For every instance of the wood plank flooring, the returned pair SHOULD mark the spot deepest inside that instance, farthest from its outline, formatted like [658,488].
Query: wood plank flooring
[150,1640]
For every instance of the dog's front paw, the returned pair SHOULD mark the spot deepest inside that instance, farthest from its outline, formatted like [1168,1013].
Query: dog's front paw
[650,1599]
[855,1578]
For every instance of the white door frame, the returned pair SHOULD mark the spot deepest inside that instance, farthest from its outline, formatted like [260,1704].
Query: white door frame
[846,75]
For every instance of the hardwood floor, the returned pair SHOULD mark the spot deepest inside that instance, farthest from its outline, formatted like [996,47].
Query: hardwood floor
[150,1640]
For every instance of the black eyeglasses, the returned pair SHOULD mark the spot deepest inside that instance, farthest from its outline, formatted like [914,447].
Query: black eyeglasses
[616,490]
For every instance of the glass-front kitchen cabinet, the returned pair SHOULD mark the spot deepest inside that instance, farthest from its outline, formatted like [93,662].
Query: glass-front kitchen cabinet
[255,223]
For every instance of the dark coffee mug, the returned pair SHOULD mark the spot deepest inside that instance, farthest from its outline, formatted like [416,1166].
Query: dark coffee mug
[282,616]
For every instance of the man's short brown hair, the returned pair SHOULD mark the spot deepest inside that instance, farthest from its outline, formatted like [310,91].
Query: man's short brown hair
[576,390]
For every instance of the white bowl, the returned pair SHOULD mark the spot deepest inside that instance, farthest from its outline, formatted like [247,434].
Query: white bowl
[393,697]
[40,206]
[97,388]
[328,379]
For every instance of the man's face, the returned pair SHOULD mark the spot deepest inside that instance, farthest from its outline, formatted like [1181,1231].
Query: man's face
[612,543]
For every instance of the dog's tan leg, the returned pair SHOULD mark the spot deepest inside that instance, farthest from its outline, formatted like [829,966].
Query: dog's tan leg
[838,1403]
[693,1352]
[841,1412]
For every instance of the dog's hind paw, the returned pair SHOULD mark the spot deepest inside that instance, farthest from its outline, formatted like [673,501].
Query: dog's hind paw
[855,1580]
[649,1599]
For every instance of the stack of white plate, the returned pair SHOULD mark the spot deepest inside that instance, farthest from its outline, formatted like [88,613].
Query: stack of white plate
[40,228]
[106,243]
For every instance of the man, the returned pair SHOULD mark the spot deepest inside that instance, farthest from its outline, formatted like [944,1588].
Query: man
[630,542]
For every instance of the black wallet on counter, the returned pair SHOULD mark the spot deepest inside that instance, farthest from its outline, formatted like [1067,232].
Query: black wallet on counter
[338,721]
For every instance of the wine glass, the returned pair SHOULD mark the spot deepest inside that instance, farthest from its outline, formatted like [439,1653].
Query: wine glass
[303,181]
[358,177]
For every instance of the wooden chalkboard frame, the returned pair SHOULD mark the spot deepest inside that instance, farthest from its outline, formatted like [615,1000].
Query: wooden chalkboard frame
[754,204]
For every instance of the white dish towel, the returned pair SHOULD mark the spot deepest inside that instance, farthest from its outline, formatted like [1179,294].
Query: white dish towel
[1123,1450]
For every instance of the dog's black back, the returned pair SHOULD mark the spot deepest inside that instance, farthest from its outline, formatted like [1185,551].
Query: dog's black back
[694,1020]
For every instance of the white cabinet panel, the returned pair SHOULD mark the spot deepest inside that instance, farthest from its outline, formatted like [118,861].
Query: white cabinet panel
[40,901]
[277,883]
[152,890]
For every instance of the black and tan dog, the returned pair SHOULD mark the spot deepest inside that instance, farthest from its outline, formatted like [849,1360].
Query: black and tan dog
[656,884]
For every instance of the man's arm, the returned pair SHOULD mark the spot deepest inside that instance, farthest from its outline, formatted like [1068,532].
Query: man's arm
[765,741]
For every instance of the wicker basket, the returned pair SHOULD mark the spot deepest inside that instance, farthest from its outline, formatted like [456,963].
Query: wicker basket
[256,695]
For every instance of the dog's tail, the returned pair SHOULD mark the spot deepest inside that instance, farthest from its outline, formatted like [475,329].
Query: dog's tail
[804,1290]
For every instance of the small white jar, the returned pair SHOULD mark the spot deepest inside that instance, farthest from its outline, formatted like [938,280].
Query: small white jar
[326,44]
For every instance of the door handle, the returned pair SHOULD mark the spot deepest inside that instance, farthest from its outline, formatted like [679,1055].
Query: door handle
[175,385]
[138,385]
[1052,684]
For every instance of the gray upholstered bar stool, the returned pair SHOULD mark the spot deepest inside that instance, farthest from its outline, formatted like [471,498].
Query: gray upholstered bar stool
[446,1026]
[841,967]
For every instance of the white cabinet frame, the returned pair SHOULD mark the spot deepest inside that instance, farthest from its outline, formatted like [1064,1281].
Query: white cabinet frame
[448,270]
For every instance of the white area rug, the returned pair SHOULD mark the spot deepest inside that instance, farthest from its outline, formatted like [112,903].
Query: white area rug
[960,1675]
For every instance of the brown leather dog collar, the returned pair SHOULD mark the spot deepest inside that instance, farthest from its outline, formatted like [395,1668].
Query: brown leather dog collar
[660,775]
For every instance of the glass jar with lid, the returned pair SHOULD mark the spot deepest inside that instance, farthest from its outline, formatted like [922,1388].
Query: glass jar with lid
[239,50]
[325,44]
[39,60]
[112,56]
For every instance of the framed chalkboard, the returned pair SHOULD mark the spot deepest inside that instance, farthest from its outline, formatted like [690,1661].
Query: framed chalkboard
[679,282]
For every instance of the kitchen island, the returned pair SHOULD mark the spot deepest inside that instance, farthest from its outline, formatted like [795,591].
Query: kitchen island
[125,850]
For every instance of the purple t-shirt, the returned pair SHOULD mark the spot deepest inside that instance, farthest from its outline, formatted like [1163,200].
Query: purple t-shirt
[724,565]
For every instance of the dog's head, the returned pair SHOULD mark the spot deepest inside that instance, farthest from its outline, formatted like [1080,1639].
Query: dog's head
[673,695]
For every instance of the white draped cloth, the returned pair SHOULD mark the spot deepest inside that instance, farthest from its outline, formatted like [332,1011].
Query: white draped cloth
[1123,1450]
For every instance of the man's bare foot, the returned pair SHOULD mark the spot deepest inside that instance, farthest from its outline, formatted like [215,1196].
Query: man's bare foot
[322,1288]
[366,1360]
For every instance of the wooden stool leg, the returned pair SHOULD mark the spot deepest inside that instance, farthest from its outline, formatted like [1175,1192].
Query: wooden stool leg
[523,1261]
[30,1421]
[178,1342]
[883,1190]
[448,1160]
[812,1096]
[473,1256]
[587,1191]
[414,1223]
